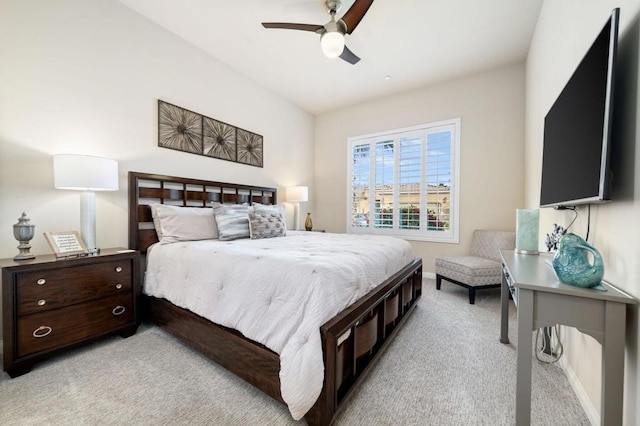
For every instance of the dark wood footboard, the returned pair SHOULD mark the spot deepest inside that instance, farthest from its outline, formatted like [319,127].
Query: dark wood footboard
[355,338]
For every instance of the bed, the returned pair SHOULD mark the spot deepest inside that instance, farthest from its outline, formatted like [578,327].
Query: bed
[351,341]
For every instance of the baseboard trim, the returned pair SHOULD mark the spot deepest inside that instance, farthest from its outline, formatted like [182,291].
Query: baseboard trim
[430,275]
[581,394]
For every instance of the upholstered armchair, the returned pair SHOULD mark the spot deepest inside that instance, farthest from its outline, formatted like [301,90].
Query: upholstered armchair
[482,267]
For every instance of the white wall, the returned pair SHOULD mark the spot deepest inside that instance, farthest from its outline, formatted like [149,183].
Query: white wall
[84,77]
[491,108]
[565,30]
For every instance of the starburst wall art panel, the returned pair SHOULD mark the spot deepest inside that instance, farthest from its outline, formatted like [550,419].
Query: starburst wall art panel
[188,131]
[179,128]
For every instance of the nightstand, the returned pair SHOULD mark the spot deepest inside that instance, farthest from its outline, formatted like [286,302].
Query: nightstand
[50,304]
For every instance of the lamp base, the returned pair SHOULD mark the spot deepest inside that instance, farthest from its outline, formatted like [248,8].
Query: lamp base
[296,213]
[88,218]
[522,251]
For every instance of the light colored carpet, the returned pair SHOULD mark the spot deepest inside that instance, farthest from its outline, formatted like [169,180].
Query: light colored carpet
[445,367]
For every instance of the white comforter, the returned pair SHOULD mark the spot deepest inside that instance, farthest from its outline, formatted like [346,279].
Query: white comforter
[276,291]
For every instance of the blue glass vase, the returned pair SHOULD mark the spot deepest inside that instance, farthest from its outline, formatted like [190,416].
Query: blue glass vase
[572,266]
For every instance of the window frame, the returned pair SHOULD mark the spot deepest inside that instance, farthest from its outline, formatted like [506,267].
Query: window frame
[395,135]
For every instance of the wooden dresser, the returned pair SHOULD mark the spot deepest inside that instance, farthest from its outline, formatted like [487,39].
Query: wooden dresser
[50,304]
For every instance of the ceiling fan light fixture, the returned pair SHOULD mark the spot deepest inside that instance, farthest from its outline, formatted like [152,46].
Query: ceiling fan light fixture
[332,43]
[332,34]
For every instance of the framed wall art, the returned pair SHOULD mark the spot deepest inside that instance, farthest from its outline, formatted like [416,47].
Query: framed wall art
[179,129]
[219,139]
[249,148]
[188,131]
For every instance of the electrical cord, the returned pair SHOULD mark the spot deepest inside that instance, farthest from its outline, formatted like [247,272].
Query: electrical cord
[575,211]
[549,351]
[555,355]
[588,221]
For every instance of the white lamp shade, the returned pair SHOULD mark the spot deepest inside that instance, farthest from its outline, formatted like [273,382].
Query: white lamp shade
[332,43]
[297,194]
[85,173]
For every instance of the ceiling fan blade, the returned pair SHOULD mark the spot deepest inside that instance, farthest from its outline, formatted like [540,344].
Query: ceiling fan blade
[290,26]
[349,56]
[355,14]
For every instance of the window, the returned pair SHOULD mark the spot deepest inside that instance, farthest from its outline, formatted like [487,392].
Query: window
[404,182]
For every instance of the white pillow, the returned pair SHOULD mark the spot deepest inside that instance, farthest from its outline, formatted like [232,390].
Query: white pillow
[243,208]
[174,223]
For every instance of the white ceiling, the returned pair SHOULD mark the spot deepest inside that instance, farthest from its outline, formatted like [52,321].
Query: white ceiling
[416,42]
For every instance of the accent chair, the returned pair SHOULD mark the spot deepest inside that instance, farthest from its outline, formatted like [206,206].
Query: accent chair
[482,267]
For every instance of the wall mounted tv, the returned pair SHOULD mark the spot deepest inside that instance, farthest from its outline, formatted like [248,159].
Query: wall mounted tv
[577,128]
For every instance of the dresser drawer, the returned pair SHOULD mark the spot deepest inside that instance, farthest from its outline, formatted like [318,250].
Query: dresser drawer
[61,327]
[50,289]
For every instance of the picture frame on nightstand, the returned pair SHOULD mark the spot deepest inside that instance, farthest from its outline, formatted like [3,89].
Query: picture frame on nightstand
[66,244]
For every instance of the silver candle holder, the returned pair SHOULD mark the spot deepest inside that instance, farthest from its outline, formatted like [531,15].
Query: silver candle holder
[23,231]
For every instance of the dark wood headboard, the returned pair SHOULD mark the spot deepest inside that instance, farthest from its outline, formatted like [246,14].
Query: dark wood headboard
[146,189]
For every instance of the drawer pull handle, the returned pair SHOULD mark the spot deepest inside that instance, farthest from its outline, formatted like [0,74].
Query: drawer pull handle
[118,310]
[42,331]
[118,268]
[42,302]
[41,281]
[118,286]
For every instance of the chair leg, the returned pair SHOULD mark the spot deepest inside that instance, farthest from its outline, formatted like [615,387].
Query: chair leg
[438,282]
[472,296]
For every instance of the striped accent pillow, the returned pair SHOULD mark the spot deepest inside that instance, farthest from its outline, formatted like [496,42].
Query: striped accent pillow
[232,221]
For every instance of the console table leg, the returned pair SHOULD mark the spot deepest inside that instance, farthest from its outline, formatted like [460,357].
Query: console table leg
[523,380]
[613,364]
[504,311]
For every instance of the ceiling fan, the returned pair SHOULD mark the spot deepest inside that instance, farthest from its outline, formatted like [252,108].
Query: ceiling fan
[332,33]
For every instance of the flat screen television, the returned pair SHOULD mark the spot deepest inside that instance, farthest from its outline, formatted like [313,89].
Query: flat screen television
[577,128]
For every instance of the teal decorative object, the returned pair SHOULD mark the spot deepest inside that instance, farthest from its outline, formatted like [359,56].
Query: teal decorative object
[527,224]
[572,266]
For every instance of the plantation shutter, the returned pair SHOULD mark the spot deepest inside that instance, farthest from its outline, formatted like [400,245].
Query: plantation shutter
[404,182]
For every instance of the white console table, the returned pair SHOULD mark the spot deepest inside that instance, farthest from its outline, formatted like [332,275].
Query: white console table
[544,301]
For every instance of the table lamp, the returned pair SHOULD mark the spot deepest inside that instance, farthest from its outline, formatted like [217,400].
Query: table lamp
[296,195]
[87,174]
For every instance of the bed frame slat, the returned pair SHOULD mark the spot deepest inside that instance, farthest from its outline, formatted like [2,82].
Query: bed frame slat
[162,193]
[144,214]
[260,199]
[205,197]
[146,238]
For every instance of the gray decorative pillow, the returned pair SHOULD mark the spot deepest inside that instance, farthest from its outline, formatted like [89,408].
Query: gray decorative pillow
[232,221]
[272,208]
[266,225]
